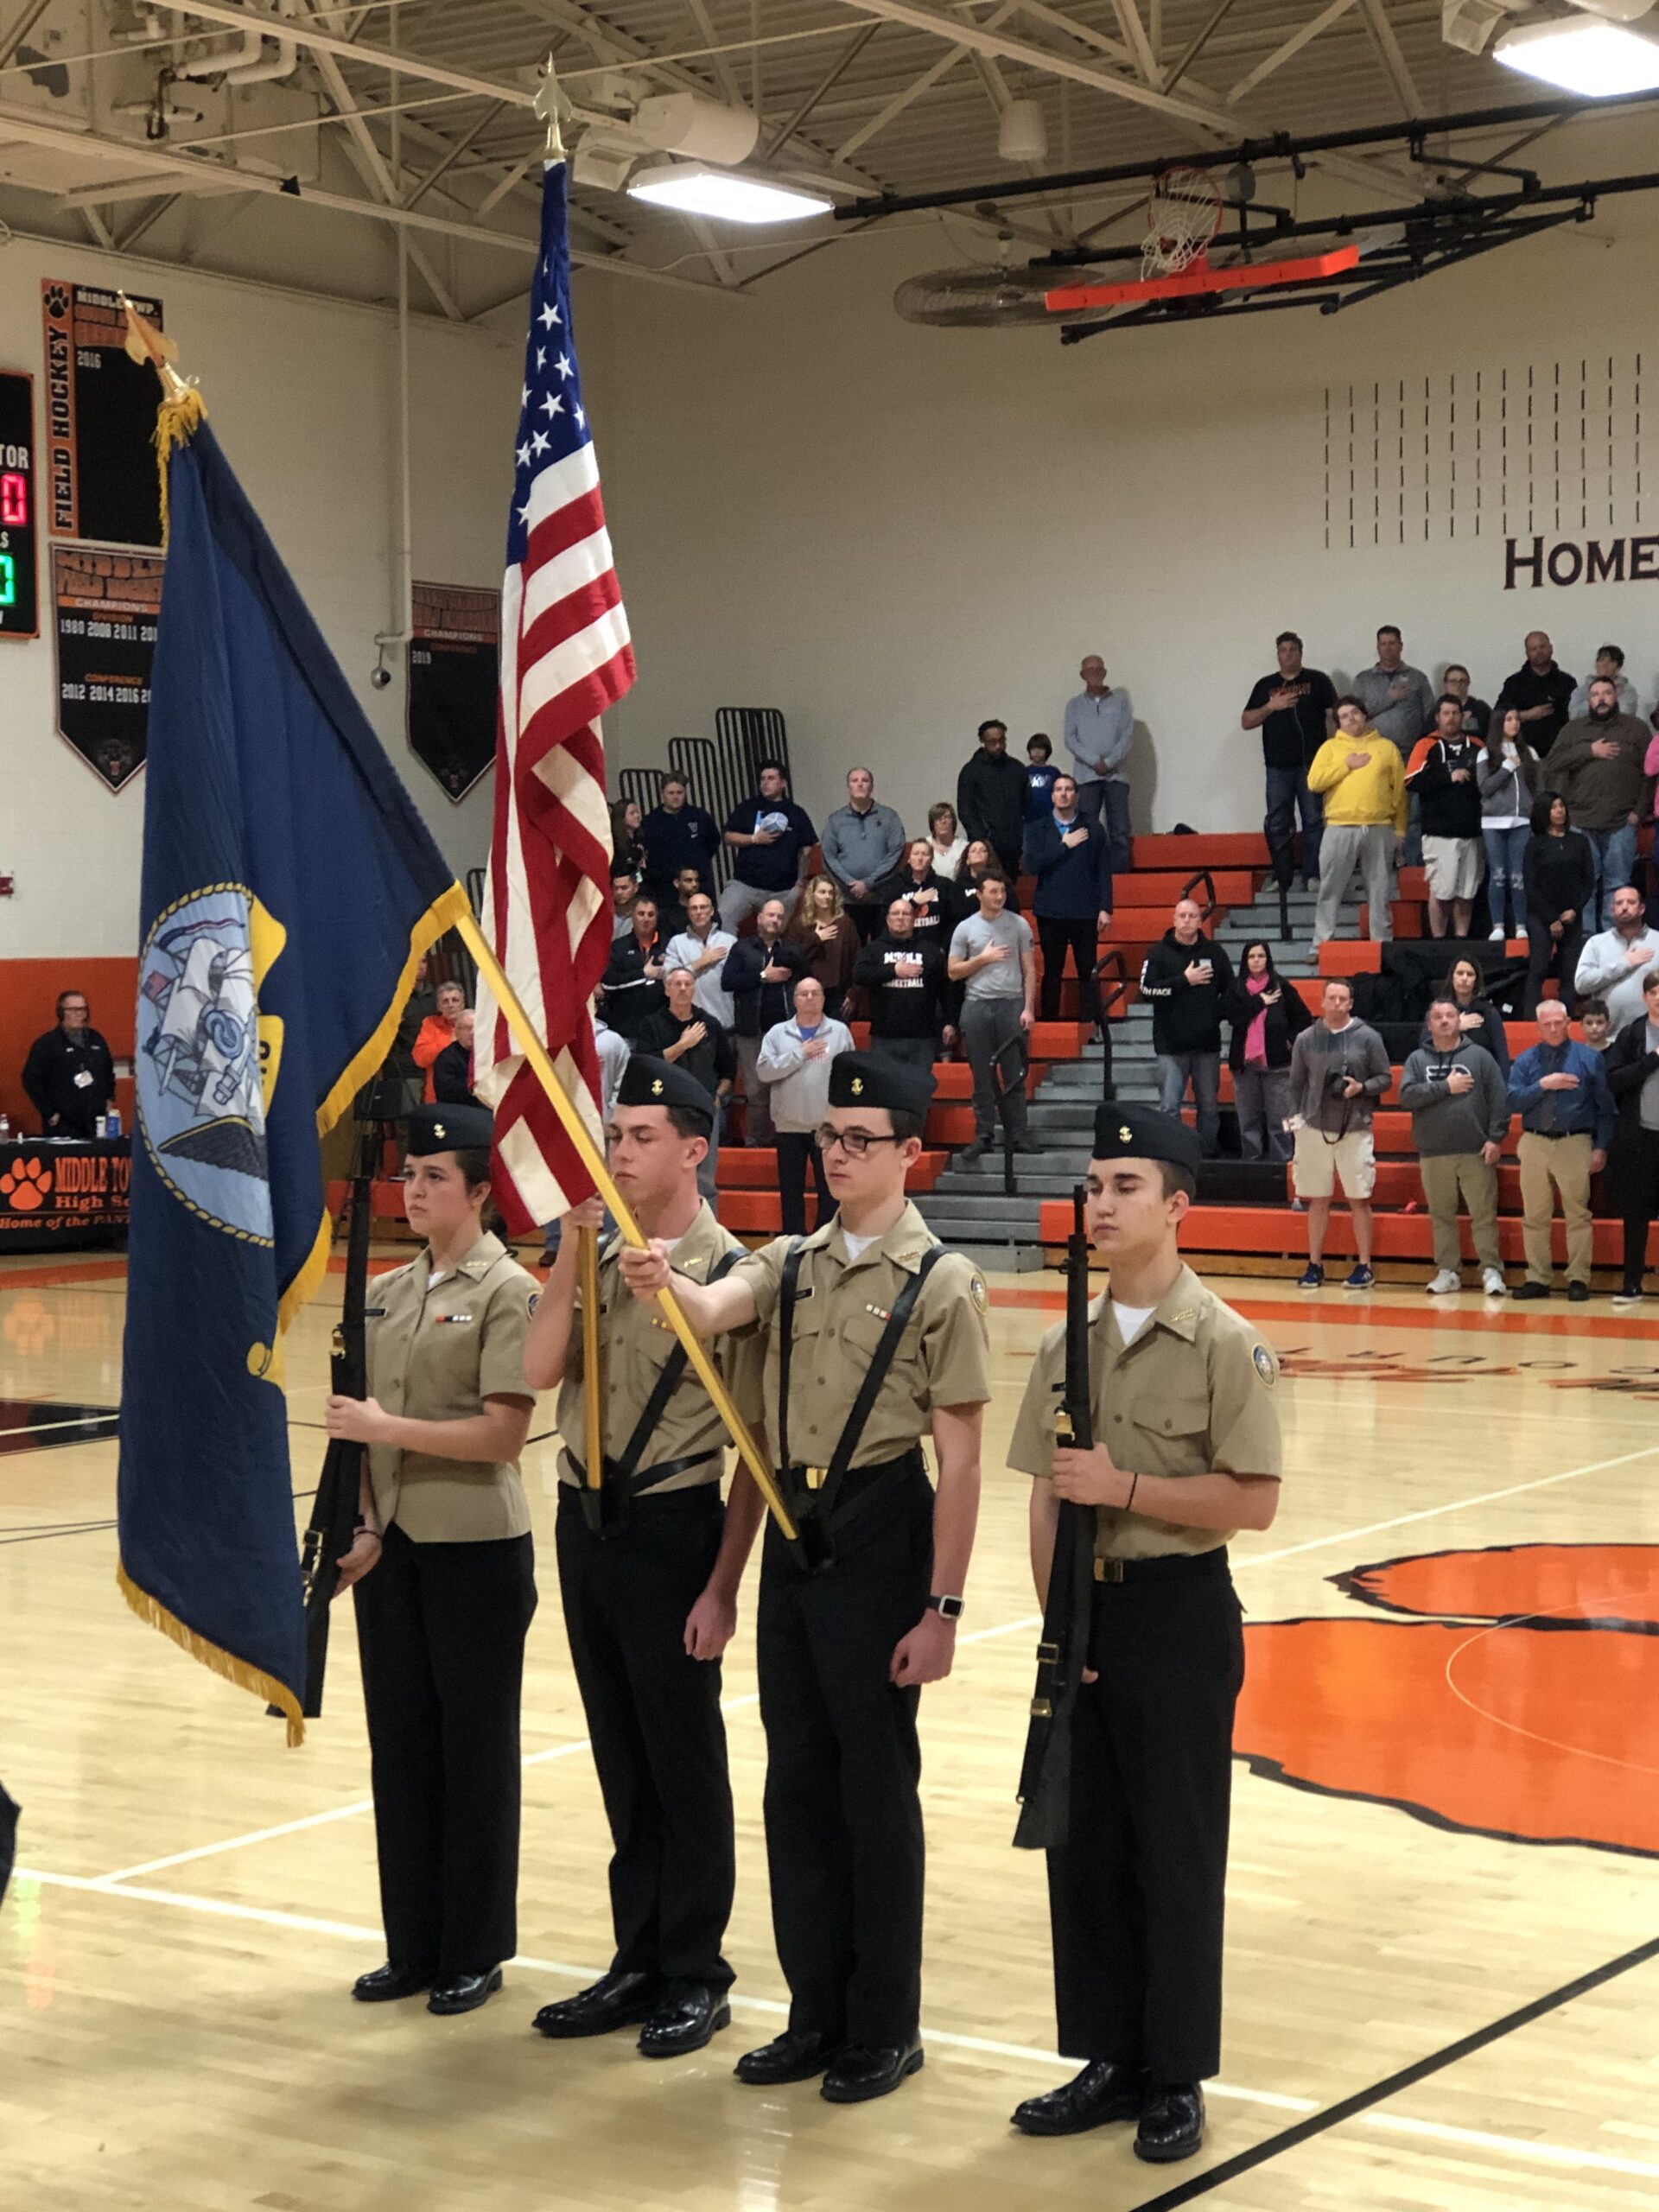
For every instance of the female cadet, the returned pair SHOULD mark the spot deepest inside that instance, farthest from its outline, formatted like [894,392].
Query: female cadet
[444,1575]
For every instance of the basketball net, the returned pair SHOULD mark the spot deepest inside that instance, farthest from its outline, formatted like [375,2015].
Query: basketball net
[1183,213]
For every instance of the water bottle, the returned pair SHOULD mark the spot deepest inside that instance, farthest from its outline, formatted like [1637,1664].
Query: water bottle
[112,1122]
[5,1129]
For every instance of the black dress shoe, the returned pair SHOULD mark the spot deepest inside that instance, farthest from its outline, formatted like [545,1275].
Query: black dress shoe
[1172,2125]
[866,2070]
[794,2055]
[1577,1292]
[615,2000]
[690,2016]
[1530,1290]
[463,1992]
[388,1983]
[1105,2091]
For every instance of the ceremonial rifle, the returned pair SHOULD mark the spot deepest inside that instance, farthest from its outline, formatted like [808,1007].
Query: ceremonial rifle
[332,1526]
[1045,1777]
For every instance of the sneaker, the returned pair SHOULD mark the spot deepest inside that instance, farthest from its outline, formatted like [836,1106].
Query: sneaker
[1520,932]
[1530,1289]
[1361,1278]
[1577,1293]
[1496,937]
[1492,1282]
[970,1155]
[1443,1283]
[1627,1297]
[1311,1278]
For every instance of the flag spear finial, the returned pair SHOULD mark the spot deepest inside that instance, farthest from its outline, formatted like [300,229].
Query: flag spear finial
[547,107]
[146,343]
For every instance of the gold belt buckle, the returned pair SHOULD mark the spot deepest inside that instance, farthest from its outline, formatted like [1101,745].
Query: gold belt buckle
[815,1477]
[1108,1570]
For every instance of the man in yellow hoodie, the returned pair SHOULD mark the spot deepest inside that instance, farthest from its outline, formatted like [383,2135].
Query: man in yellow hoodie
[1362,779]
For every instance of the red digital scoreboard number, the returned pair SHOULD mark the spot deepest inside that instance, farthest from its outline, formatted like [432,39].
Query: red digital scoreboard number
[19,596]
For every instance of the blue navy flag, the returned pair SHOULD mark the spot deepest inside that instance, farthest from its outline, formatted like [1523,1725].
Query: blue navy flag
[290,886]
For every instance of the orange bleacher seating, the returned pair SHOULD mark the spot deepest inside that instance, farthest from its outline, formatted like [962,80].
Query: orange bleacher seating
[1243,849]
[1276,1232]
[741,1169]
[1162,888]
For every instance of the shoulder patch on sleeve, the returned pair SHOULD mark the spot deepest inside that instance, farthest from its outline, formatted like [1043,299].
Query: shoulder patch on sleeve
[535,1300]
[1264,1367]
[977,1292]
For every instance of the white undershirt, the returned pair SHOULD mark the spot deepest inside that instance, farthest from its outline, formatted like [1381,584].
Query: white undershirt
[1131,1319]
[858,1246]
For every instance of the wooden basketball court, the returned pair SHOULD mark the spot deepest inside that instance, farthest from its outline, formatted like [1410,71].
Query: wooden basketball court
[1414,1746]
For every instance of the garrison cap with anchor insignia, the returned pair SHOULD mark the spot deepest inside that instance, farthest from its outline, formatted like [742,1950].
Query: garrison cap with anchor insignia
[649,1082]
[1126,1131]
[856,1079]
[449,1128]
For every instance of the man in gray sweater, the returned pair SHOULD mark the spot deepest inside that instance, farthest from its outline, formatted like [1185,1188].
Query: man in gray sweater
[1598,764]
[1459,1109]
[862,844]
[1338,1070]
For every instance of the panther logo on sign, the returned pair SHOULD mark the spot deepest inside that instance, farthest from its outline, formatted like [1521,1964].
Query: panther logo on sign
[206,1061]
[26,1186]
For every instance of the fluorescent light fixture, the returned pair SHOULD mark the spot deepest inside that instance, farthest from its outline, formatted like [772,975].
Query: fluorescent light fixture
[691,189]
[1582,55]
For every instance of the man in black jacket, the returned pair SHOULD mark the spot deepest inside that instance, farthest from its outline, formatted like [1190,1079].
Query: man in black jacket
[991,793]
[904,981]
[760,975]
[1186,976]
[688,1039]
[1541,691]
[70,1074]
[1442,774]
[633,983]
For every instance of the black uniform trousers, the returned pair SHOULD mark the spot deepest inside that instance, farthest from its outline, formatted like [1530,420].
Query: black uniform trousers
[1136,1894]
[797,1152]
[843,1814]
[1081,938]
[653,1714]
[1633,1186]
[441,1633]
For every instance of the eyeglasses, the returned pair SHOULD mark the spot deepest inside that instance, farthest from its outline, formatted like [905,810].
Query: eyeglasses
[855,1142]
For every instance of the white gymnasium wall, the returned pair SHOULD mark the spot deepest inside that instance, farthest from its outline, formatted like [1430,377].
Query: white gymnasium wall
[892,532]
[303,398]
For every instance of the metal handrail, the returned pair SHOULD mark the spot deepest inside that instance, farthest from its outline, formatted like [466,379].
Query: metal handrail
[1202,876]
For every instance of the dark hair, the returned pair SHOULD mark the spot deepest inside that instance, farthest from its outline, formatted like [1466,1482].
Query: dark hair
[1287,638]
[1445,998]
[1245,959]
[474,1161]
[71,993]
[1349,699]
[1612,681]
[674,777]
[1612,653]
[993,875]
[994,724]
[906,1125]
[1648,983]
[1346,982]
[1446,699]
[1175,1178]
[623,873]
[1063,776]
[778,765]
[1448,988]
[1390,629]
[1457,664]
[643,900]
[1542,807]
[1039,737]
[691,1121]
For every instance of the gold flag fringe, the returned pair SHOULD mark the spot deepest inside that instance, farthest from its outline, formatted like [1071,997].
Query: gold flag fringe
[177,421]
[209,1655]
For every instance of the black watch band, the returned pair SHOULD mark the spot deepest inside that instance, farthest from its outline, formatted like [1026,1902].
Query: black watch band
[949,1608]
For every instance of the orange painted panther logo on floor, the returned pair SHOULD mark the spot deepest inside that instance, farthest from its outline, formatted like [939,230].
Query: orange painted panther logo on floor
[1513,1694]
[26,1186]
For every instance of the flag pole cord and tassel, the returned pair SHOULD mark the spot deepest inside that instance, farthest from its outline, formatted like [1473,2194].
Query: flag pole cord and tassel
[182,407]
[576,1129]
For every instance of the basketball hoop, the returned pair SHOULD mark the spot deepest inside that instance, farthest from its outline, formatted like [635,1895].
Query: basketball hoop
[1184,211]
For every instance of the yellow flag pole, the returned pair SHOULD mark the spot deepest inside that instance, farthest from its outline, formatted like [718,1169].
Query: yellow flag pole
[593,1360]
[593,1160]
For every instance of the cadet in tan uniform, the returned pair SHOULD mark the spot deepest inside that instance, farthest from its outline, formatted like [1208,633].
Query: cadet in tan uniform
[649,1569]
[445,1574]
[875,1335]
[1182,1396]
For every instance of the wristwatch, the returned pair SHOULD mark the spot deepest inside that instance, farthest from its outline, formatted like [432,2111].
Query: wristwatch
[948,1608]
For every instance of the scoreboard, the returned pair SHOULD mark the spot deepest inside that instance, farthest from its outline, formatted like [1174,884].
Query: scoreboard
[20,601]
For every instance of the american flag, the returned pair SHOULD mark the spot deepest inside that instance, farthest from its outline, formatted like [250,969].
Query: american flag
[565,658]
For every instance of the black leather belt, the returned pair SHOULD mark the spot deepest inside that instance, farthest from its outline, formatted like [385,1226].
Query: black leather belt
[1174,1566]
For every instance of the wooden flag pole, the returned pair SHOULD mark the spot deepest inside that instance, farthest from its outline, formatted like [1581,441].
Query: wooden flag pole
[592,1360]
[593,1160]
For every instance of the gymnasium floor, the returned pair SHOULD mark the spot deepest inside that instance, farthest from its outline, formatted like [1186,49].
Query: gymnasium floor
[194,1899]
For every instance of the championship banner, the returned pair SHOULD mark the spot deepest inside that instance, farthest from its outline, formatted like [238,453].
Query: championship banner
[100,480]
[105,609]
[455,677]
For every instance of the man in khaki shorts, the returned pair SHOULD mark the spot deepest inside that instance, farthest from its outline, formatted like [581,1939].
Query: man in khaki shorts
[1338,1070]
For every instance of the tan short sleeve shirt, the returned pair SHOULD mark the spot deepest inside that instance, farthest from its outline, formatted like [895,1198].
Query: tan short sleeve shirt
[638,1342]
[435,1353]
[1193,1395]
[842,1310]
